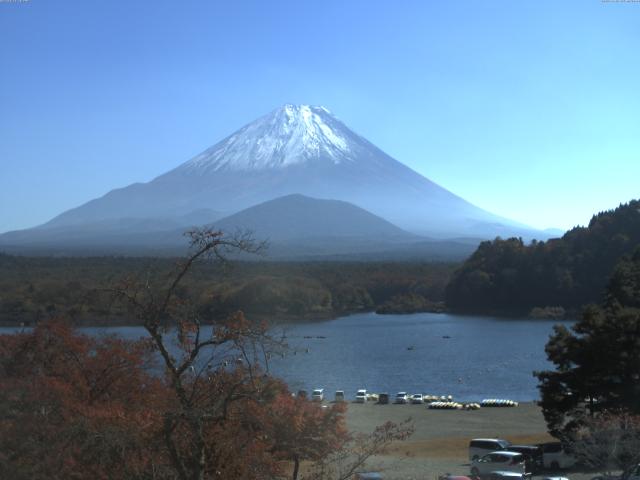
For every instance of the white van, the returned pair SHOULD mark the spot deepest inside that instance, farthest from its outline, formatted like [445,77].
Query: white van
[317,395]
[479,447]
[361,396]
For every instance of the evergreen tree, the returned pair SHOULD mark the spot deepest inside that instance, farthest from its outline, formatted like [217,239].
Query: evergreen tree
[507,276]
[598,360]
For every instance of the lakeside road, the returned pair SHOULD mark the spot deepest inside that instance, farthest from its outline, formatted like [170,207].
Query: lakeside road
[441,439]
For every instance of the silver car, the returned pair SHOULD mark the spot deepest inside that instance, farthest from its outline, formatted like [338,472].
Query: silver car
[402,397]
[503,461]
[507,476]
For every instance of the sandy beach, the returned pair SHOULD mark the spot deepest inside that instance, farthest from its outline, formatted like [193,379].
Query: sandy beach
[440,442]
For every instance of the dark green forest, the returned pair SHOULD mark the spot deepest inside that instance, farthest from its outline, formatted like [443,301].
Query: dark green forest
[584,380]
[552,278]
[37,288]
[510,277]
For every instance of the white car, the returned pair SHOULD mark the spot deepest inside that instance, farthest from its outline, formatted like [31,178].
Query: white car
[507,476]
[417,398]
[481,446]
[317,395]
[503,461]
[402,397]
[361,396]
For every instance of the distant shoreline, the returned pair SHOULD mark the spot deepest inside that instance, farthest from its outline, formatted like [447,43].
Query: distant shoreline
[282,319]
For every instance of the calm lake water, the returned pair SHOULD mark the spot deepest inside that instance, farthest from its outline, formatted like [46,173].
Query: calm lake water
[468,357]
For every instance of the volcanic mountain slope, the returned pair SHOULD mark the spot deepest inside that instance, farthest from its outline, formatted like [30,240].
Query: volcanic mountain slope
[293,150]
[295,227]
[299,218]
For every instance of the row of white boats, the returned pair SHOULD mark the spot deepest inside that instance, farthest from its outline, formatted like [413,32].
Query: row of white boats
[442,402]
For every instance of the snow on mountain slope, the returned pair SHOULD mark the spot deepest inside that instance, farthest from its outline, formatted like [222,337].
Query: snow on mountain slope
[298,150]
[291,135]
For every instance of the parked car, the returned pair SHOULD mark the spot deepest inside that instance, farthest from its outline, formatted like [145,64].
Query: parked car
[401,397]
[383,398]
[317,395]
[555,458]
[532,455]
[507,476]
[368,476]
[361,396]
[503,461]
[302,393]
[339,396]
[479,447]
[416,398]
[448,476]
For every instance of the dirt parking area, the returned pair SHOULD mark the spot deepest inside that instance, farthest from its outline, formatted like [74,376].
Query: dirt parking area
[441,439]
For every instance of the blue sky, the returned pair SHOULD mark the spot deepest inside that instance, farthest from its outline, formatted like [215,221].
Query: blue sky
[528,109]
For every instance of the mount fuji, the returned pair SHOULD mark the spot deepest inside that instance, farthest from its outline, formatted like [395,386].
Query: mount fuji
[296,149]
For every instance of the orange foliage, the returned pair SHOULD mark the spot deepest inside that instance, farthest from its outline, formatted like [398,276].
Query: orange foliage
[75,407]
[304,430]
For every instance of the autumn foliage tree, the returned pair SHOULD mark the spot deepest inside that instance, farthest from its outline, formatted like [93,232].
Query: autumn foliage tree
[208,399]
[303,431]
[193,400]
[73,406]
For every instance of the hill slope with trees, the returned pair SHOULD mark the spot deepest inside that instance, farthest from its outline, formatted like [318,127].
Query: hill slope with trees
[508,276]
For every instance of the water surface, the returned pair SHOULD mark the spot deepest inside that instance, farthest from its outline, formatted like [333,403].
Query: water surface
[468,357]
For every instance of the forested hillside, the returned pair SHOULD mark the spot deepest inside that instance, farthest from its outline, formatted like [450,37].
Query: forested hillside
[36,288]
[507,276]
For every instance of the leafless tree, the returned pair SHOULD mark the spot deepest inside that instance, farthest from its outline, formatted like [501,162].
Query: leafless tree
[209,365]
[608,442]
[352,457]
[212,365]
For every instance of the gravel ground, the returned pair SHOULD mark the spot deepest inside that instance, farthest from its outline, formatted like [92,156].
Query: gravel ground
[441,439]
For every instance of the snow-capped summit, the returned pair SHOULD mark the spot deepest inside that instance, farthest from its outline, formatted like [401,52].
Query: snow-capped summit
[290,135]
[295,149]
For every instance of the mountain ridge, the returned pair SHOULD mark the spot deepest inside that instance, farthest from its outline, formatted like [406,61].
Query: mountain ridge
[297,216]
[296,150]
[295,227]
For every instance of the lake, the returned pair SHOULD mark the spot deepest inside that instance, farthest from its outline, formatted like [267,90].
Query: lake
[468,357]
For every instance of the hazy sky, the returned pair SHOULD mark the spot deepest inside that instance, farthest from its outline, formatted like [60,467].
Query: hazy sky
[528,109]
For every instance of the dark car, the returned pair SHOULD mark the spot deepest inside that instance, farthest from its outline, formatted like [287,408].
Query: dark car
[383,398]
[532,455]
